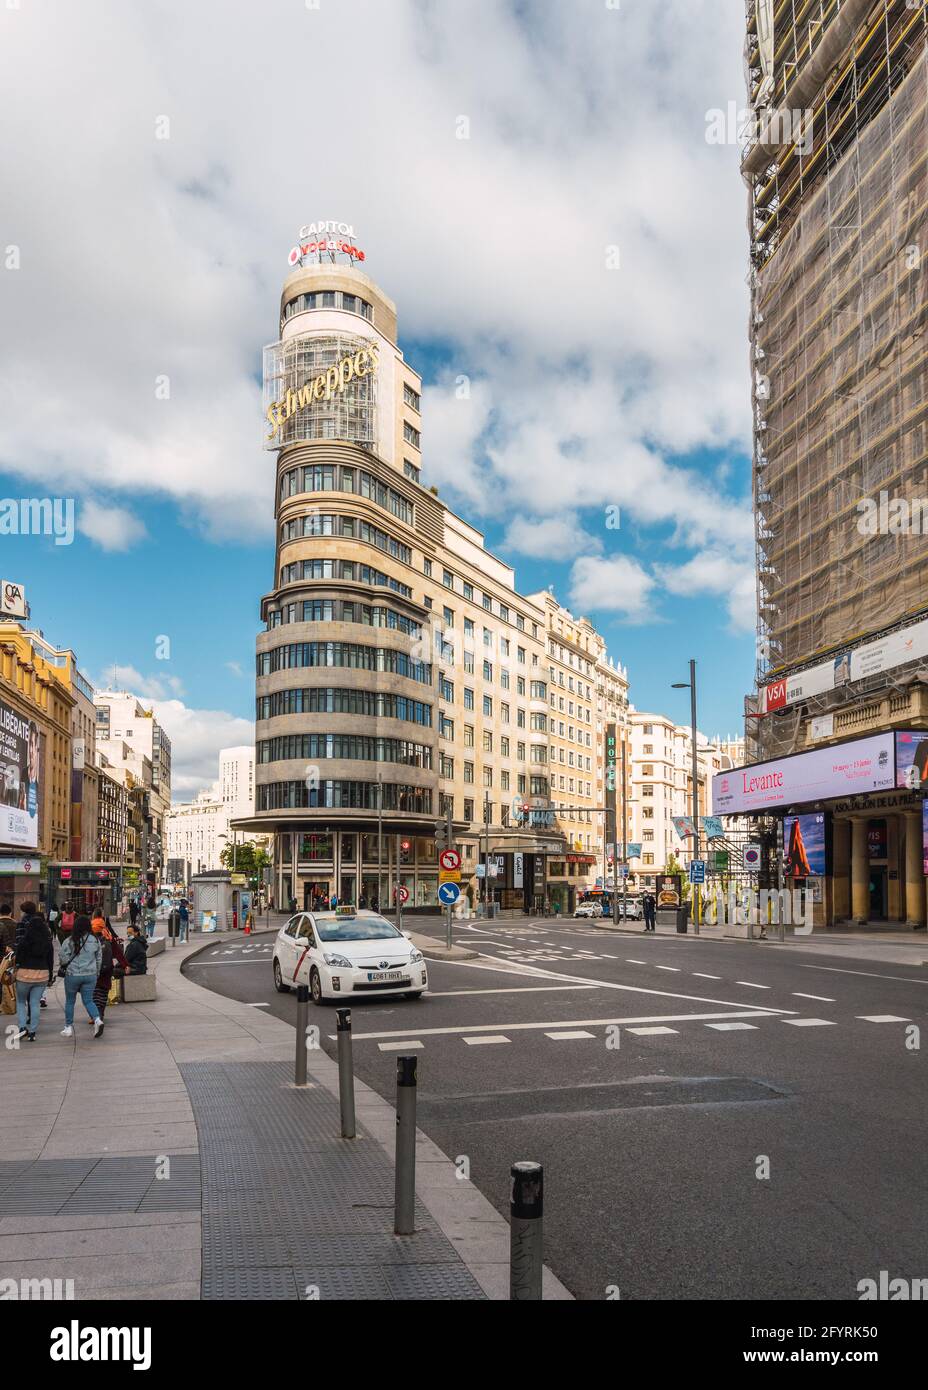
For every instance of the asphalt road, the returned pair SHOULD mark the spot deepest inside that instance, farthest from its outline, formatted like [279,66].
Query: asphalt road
[717,1119]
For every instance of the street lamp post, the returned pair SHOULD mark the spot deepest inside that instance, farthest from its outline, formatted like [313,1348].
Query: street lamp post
[380,842]
[486,852]
[690,685]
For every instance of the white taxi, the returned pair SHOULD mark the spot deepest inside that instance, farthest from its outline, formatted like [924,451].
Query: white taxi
[347,952]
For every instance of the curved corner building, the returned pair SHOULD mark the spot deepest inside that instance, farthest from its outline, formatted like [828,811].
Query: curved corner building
[377,705]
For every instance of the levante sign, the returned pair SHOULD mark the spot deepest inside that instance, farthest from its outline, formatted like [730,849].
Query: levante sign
[328,384]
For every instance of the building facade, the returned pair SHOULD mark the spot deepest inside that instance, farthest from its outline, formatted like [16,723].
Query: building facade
[399,668]
[133,742]
[838,190]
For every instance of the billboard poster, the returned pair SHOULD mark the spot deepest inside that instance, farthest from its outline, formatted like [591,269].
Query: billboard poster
[20,773]
[804,846]
[668,890]
[925,835]
[911,758]
[845,769]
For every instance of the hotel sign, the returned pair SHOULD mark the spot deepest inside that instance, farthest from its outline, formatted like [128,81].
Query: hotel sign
[325,387]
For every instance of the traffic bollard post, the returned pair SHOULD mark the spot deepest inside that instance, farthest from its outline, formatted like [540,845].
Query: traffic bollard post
[302,1014]
[526,1210]
[345,1073]
[404,1198]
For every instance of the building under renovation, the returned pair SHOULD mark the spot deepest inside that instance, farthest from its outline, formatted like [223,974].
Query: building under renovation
[838,184]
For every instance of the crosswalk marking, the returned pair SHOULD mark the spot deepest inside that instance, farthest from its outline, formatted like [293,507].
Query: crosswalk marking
[699,975]
[485,1038]
[674,968]
[564,1037]
[810,1022]
[647,1032]
[821,998]
[730,1027]
[882,1018]
[750,985]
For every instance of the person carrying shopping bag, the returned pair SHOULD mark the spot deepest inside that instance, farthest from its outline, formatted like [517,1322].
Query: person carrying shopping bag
[112,961]
[79,961]
[35,969]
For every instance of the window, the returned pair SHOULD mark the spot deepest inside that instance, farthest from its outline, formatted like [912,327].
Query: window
[487,670]
[488,603]
[411,397]
[504,746]
[504,781]
[520,685]
[487,741]
[447,578]
[521,783]
[448,615]
[648,748]
[504,712]
[520,718]
[520,753]
[520,622]
[488,776]
[411,470]
[427,567]
[468,773]
[539,690]
[520,654]
[468,809]
[468,735]
[445,726]
[504,646]
[647,770]
[504,612]
[504,678]
[488,707]
[468,698]
[446,689]
[469,663]
[469,591]
[411,435]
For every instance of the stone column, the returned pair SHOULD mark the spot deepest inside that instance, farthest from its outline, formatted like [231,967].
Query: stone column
[860,871]
[841,869]
[914,874]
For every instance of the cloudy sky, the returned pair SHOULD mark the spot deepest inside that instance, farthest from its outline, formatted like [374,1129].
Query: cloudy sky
[533,186]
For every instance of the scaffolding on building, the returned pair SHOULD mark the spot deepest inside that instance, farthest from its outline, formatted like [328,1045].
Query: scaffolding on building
[838,178]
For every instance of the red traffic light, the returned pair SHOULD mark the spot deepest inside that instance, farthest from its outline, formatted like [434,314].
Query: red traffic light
[405,846]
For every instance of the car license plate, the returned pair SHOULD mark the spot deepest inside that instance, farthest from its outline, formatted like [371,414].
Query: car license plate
[385,975]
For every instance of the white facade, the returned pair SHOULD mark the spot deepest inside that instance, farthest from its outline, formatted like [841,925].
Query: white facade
[237,779]
[199,831]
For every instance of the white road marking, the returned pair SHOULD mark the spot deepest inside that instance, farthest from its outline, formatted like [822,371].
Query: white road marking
[222,964]
[750,985]
[508,989]
[822,998]
[810,1022]
[730,1027]
[871,974]
[674,968]
[882,1018]
[561,1023]
[700,976]
[629,961]
[487,1038]
[646,1032]
[565,1036]
[397,1046]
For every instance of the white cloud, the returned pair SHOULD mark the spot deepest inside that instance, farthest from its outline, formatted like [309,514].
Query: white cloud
[159,687]
[196,737]
[235,667]
[614,584]
[113,528]
[730,577]
[556,538]
[164,258]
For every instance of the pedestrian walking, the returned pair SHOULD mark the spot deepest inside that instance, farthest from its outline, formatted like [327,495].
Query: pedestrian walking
[649,909]
[184,913]
[112,961]
[149,923]
[136,952]
[133,910]
[66,924]
[35,967]
[79,962]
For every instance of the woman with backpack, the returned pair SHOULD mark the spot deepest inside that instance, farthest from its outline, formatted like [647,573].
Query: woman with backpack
[112,958]
[79,960]
[35,968]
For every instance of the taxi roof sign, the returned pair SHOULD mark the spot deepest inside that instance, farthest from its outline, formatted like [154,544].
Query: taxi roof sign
[344,911]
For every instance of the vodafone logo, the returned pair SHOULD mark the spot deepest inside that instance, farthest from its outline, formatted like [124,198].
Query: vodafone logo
[313,248]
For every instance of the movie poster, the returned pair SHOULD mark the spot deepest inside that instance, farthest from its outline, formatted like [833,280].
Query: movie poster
[804,846]
[20,773]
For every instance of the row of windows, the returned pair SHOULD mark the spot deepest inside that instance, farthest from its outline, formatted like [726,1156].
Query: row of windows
[448,579]
[363,796]
[352,746]
[354,528]
[342,569]
[326,477]
[329,299]
[328,610]
[350,654]
[372,704]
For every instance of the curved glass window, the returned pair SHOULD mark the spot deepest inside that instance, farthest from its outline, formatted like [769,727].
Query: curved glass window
[350,746]
[350,654]
[372,704]
[365,796]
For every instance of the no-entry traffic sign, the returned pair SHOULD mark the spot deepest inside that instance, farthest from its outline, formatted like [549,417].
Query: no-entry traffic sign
[449,859]
[402,894]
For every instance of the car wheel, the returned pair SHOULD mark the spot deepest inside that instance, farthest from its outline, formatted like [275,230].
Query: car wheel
[279,979]
[315,986]
[414,994]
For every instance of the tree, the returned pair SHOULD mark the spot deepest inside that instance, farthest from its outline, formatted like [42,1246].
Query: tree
[250,859]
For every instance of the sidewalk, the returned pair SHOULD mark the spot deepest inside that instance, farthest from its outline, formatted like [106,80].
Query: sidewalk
[173,1158]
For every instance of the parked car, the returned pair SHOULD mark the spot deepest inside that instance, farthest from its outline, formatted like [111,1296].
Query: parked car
[588,909]
[347,953]
[631,909]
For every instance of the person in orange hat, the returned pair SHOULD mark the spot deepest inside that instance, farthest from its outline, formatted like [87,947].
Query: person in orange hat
[113,956]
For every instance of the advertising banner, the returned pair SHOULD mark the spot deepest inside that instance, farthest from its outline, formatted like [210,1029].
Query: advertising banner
[911,759]
[925,835]
[871,659]
[683,825]
[20,773]
[804,846]
[668,890]
[713,827]
[861,766]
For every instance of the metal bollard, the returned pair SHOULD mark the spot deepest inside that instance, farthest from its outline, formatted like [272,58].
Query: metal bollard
[345,1073]
[404,1200]
[526,1208]
[302,1013]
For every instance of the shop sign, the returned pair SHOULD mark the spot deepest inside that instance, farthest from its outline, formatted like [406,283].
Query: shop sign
[332,382]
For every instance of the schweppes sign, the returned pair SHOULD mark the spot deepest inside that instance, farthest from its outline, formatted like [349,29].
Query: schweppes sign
[328,384]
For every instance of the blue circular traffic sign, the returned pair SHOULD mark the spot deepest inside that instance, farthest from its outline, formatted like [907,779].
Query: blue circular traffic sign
[448,894]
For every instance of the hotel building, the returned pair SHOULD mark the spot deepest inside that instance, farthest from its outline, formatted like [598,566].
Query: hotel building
[838,190]
[399,673]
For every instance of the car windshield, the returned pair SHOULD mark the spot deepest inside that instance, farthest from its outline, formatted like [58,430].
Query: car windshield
[368,928]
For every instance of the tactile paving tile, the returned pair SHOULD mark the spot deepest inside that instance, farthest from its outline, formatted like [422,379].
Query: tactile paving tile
[277,1218]
[87,1185]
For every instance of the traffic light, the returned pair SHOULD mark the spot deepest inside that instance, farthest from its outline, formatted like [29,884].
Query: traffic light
[405,848]
[441,836]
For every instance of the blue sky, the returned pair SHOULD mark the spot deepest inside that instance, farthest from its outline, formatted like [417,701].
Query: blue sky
[555,230]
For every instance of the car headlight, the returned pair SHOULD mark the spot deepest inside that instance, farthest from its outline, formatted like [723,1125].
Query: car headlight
[337,960]
[415,958]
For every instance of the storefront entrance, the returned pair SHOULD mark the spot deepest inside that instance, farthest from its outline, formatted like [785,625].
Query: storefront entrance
[879,906]
[314,893]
